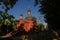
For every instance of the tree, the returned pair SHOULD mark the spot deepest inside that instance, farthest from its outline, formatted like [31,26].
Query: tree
[52,10]
[6,20]
[8,4]
[40,26]
[7,23]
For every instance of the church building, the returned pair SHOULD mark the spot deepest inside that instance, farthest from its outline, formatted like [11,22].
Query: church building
[28,23]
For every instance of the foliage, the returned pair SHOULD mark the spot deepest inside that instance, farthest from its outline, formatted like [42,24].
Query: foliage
[4,15]
[40,26]
[8,4]
[7,22]
[52,10]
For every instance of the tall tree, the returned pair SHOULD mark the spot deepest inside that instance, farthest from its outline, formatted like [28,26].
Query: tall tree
[7,23]
[52,10]
[6,20]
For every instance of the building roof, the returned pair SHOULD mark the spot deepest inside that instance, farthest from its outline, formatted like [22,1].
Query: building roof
[29,10]
[21,14]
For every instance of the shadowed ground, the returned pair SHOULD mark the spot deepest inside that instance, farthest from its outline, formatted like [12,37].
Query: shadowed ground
[41,35]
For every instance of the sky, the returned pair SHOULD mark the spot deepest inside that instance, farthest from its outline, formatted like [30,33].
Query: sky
[22,7]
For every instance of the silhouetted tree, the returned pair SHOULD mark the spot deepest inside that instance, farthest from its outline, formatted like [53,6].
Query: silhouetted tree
[8,4]
[52,10]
